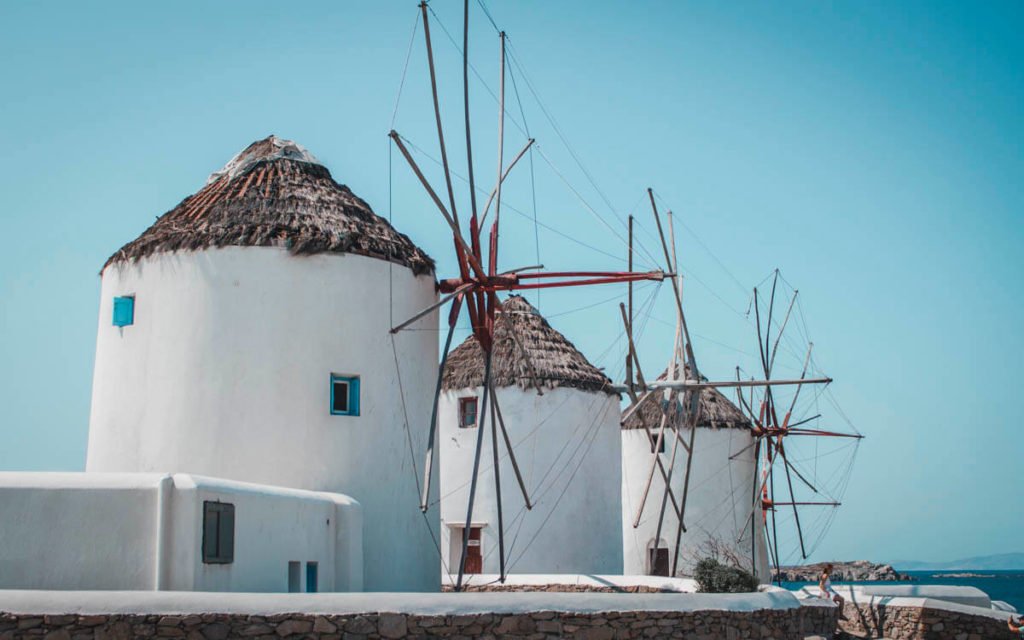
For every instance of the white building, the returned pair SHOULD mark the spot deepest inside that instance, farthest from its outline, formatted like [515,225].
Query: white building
[566,442]
[244,336]
[153,532]
[718,516]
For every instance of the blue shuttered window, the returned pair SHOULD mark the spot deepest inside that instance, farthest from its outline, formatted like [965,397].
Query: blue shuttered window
[124,311]
[344,395]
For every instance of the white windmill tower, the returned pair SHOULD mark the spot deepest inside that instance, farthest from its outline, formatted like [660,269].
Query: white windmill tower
[244,335]
[560,416]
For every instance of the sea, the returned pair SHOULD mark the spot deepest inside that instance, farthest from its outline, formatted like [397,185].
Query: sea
[1007,586]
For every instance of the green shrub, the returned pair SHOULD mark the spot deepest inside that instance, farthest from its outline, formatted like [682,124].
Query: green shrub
[714,577]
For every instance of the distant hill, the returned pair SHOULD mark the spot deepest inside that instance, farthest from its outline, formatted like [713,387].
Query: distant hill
[997,562]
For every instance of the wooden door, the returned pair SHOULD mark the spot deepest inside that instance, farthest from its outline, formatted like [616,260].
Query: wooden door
[659,561]
[474,559]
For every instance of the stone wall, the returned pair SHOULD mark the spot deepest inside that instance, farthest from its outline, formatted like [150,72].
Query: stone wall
[795,623]
[919,623]
[557,588]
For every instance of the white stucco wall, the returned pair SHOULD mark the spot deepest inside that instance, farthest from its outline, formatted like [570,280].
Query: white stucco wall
[717,505]
[226,373]
[567,445]
[129,531]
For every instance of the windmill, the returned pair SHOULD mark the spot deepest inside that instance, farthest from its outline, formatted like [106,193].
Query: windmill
[682,376]
[478,282]
[770,431]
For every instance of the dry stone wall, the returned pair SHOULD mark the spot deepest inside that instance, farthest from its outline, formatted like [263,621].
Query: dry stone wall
[919,623]
[796,623]
[556,588]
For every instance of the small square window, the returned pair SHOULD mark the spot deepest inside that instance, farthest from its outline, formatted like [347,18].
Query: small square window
[344,395]
[218,532]
[654,442]
[467,413]
[124,311]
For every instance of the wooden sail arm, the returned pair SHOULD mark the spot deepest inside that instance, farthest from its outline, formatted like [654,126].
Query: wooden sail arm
[466,250]
[694,384]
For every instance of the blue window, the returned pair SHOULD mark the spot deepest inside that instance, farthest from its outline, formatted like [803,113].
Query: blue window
[344,395]
[124,311]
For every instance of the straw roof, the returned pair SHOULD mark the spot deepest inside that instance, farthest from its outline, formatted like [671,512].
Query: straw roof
[716,411]
[556,361]
[276,194]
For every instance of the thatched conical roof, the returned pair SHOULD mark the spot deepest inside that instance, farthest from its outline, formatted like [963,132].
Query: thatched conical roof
[275,193]
[556,361]
[716,411]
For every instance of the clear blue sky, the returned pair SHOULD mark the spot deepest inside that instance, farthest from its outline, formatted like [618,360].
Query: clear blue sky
[871,151]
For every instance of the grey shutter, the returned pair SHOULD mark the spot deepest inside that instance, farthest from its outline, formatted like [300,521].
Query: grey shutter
[226,534]
[210,518]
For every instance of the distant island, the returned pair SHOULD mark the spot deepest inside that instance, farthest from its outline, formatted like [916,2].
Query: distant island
[853,571]
[996,562]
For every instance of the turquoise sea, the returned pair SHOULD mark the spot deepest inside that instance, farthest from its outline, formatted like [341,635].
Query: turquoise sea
[1007,586]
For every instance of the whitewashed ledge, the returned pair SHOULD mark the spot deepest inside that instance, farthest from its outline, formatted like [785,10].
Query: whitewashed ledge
[660,583]
[425,604]
[959,599]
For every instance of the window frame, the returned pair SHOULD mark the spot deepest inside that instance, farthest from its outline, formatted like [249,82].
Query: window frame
[463,402]
[352,386]
[220,548]
[117,313]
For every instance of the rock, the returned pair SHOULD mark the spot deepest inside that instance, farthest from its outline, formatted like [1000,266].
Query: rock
[323,625]
[392,625]
[293,627]
[216,631]
[255,630]
[595,633]
[116,631]
[360,625]
[857,570]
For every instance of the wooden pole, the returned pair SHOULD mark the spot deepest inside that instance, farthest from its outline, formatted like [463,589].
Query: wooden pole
[672,397]
[493,256]
[458,292]
[650,475]
[753,501]
[465,93]
[453,317]
[692,419]
[796,394]
[768,327]
[785,321]
[508,170]
[775,530]
[497,492]
[679,301]
[629,322]
[796,512]
[632,350]
[511,451]
[661,385]
[477,267]
[668,480]
[437,113]
[476,470]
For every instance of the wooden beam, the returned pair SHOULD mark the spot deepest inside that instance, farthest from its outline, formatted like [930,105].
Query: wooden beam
[431,434]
